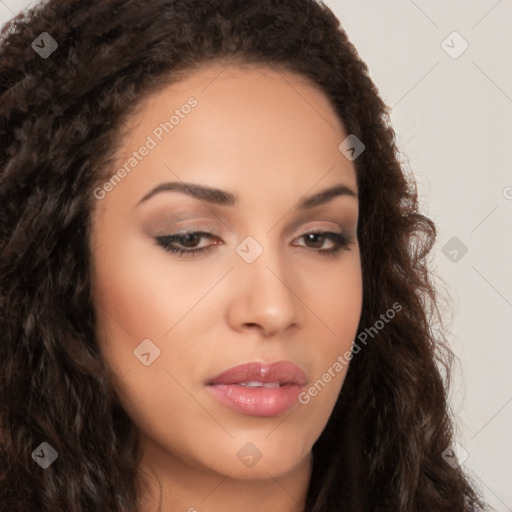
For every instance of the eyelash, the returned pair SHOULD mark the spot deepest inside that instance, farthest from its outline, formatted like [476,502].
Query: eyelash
[343,241]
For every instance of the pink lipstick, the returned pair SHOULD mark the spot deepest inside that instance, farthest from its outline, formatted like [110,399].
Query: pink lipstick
[259,389]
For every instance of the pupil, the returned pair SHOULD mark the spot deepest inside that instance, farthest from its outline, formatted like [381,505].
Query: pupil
[318,241]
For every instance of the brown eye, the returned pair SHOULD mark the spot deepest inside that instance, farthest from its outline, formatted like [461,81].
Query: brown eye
[185,243]
[341,241]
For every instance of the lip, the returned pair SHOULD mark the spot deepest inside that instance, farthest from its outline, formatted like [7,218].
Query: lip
[259,401]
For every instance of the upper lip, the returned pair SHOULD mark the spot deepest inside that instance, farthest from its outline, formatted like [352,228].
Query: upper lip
[283,372]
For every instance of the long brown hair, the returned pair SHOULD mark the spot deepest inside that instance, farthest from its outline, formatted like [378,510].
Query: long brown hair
[60,122]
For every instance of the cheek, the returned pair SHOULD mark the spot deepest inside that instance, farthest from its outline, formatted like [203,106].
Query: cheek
[338,303]
[339,306]
[139,296]
[136,293]
[128,304]
[137,299]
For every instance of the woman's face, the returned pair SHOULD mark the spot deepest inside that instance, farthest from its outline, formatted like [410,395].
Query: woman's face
[263,290]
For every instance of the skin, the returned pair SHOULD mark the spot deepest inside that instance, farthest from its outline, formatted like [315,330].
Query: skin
[271,138]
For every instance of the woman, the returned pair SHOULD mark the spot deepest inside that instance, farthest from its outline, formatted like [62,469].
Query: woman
[214,287]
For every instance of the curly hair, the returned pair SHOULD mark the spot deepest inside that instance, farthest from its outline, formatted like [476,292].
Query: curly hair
[61,120]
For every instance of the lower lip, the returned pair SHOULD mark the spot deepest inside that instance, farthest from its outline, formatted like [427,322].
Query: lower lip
[258,401]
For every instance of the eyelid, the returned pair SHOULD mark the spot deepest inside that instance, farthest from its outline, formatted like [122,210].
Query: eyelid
[213,233]
[202,225]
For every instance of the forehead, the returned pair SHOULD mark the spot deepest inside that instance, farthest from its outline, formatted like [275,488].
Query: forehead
[238,100]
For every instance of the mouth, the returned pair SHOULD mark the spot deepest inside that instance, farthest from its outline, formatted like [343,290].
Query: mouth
[259,389]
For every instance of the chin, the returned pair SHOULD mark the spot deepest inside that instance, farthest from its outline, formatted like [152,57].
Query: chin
[268,460]
[274,466]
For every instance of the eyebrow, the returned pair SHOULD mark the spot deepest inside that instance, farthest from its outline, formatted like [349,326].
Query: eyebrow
[224,198]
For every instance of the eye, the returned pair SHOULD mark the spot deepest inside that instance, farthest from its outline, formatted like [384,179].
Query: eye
[190,239]
[340,240]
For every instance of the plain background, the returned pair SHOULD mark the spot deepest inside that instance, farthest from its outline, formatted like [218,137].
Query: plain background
[452,115]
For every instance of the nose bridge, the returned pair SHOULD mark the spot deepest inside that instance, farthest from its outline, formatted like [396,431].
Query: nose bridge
[265,287]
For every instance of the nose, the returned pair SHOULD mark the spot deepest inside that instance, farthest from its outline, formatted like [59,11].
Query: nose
[266,296]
